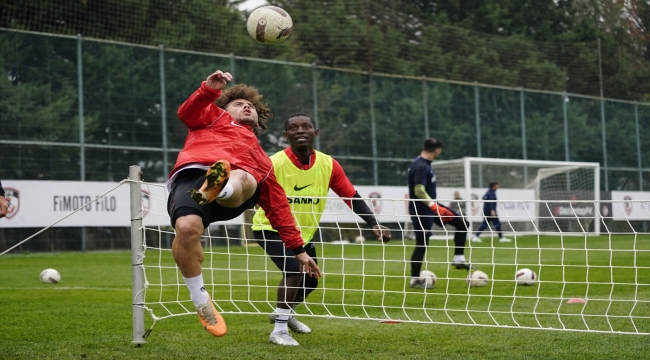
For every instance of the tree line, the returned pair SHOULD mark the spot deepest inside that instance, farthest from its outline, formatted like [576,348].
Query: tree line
[536,44]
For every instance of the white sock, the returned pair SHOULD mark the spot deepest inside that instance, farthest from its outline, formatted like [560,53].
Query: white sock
[281,319]
[197,290]
[459,258]
[226,192]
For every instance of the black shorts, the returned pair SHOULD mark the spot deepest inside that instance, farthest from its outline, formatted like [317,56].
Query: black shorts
[180,203]
[282,257]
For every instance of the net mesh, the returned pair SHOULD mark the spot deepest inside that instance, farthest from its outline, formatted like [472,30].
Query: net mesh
[368,280]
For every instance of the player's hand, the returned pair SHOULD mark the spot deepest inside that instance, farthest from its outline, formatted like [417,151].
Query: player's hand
[218,79]
[4,207]
[382,233]
[445,214]
[308,265]
[493,213]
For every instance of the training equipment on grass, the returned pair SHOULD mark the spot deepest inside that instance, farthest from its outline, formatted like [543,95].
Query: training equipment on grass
[269,24]
[429,277]
[371,280]
[477,278]
[525,276]
[49,276]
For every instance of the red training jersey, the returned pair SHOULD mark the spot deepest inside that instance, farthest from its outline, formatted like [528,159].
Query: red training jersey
[215,135]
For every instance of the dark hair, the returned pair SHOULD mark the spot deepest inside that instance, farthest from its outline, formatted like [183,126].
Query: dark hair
[250,93]
[493,183]
[432,144]
[286,122]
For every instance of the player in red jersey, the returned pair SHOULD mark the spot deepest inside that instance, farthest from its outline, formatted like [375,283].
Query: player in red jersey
[241,177]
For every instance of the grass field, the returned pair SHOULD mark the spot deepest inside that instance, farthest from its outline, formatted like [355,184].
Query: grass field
[88,315]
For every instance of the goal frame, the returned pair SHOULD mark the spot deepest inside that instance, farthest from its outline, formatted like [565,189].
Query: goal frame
[467,163]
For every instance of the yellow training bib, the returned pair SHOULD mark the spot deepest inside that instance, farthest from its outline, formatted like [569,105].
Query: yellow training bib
[301,187]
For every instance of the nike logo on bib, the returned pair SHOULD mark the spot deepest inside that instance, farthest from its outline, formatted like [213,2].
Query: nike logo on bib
[296,188]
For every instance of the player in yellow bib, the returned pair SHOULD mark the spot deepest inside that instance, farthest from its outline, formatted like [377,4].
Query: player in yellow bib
[305,174]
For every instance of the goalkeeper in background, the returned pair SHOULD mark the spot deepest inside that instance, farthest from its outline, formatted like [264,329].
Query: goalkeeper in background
[490,215]
[203,189]
[427,211]
[305,174]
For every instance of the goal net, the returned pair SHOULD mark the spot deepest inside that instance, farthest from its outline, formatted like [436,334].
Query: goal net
[544,196]
[364,279]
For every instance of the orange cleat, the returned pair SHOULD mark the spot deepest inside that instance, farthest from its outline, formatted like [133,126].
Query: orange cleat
[211,319]
[216,179]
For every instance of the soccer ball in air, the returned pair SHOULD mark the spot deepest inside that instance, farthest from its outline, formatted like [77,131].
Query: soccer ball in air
[429,277]
[269,24]
[50,276]
[359,239]
[477,278]
[525,277]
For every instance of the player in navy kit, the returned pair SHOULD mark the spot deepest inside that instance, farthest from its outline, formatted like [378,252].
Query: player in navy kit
[490,213]
[427,211]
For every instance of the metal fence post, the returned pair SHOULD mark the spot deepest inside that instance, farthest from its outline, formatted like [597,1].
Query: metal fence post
[565,121]
[425,103]
[602,114]
[163,112]
[232,67]
[522,113]
[638,144]
[314,91]
[80,94]
[137,271]
[373,131]
[478,120]
[82,131]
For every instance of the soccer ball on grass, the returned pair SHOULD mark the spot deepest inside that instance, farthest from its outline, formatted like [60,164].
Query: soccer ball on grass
[429,278]
[269,24]
[50,276]
[477,278]
[525,277]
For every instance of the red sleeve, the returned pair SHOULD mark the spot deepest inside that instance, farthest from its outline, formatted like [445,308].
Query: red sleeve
[276,207]
[340,184]
[199,109]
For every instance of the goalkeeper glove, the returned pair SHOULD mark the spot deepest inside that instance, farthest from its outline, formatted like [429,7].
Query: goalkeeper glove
[445,214]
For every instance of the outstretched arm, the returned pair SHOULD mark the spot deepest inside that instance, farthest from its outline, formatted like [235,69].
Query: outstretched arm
[341,185]
[198,110]
[362,209]
[445,213]
[4,205]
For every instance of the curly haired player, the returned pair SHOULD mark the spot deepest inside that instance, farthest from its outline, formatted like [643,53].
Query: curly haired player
[202,191]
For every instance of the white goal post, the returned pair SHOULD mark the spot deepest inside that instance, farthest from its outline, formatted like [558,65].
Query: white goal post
[368,280]
[565,195]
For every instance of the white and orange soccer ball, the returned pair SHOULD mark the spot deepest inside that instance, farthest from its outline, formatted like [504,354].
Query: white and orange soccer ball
[477,278]
[525,276]
[49,276]
[269,24]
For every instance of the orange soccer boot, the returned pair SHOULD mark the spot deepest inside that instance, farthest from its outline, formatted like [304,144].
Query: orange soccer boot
[216,179]
[211,319]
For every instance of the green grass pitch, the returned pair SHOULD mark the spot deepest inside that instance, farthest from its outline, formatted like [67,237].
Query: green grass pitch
[88,314]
